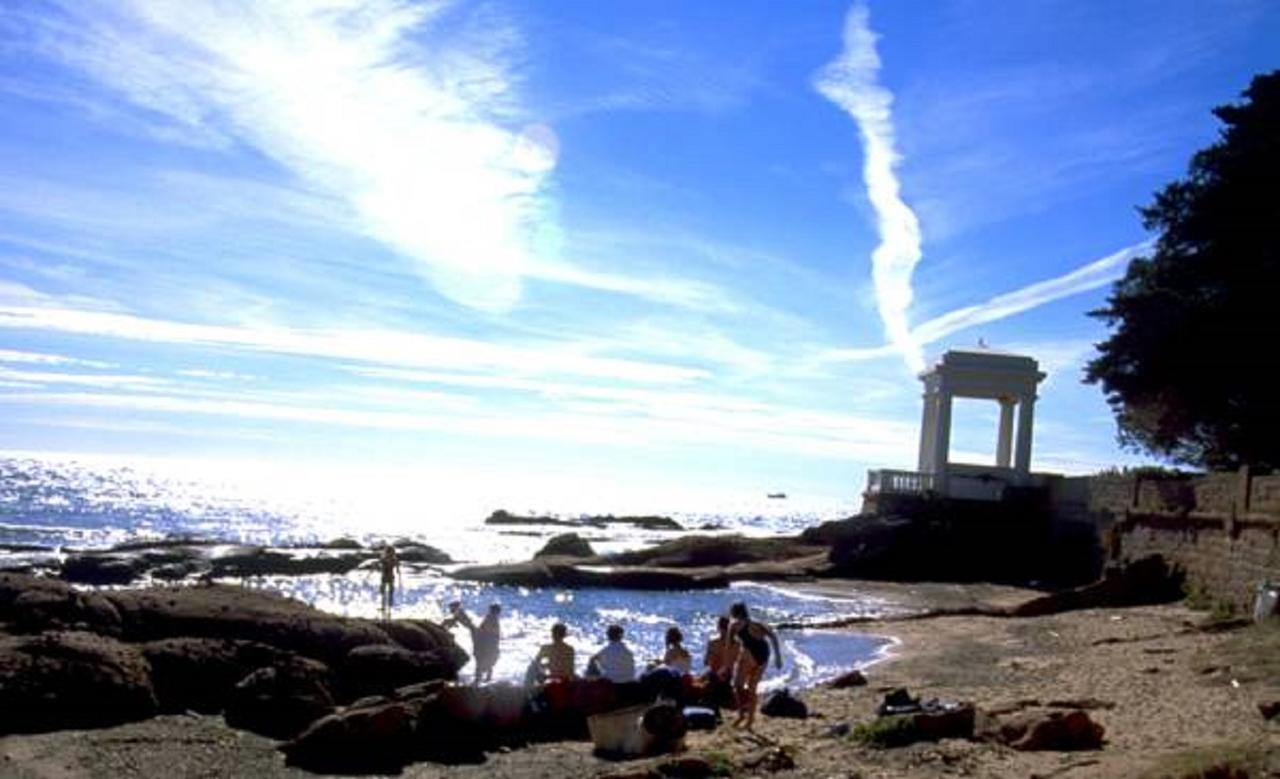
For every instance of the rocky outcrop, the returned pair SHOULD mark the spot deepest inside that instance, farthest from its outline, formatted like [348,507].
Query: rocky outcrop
[74,679]
[1149,580]
[197,674]
[181,558]
[566,545]
[281,700]
[503,517]
[705,551]
[1038,730]
[550,573]
[273,664]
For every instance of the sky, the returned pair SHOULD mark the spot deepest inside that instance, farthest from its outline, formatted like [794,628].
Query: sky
[644,247]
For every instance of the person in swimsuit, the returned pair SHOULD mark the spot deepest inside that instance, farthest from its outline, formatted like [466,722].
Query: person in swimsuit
[485,637]
[677,656]
[554,661]
[389,563]
[753,640]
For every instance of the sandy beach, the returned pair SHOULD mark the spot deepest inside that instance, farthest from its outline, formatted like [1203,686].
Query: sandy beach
[1161,684]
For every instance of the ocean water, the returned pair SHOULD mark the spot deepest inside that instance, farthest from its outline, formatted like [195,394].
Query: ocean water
[65,503]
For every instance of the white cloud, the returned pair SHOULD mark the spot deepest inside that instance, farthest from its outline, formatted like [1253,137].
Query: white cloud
[1090,276]
[43,358]
[850,81]
[406,113]
[369,346]
[1087,277]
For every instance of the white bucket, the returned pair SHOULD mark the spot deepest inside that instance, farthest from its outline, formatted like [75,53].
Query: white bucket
[621,732]
[1267,604]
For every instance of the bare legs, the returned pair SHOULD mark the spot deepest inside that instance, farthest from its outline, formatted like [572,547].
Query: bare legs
[746,678]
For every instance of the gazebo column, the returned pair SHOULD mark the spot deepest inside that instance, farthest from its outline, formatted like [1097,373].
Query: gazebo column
[942,440]
[928,432]
[1004,444]
[1026,410]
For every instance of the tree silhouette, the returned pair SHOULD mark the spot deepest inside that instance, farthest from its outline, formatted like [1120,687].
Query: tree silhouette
[1192,367]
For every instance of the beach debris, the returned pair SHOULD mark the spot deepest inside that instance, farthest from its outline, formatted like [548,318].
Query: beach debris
[636,731]
[854,678]
[1060,731]
[904,719]
[781,703]
[1269,709]
[771,760]
[839,730]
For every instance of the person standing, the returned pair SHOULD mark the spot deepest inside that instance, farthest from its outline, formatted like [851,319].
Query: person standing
[753,640]
[389,563]
[615,662]
[485,637]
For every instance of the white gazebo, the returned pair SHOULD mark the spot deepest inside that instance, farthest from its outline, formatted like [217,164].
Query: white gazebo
[1008,379]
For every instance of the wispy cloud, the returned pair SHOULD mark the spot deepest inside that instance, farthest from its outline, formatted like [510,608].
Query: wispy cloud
[1090,276]
[1087,277]
[406,113]
[851,82]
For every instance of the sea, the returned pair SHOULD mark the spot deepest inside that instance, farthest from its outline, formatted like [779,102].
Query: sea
[51,504]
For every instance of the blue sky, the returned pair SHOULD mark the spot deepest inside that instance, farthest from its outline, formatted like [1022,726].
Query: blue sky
[658,246]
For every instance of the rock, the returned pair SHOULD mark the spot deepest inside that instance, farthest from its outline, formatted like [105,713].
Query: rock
[259,561]
[566,545]
[643,522]
[220,611]
[48,608]
[101,568]
[782,704]
[59,680]
[199,674]
[503,517]
[701,551]
[904,720]
[370,740]
[282,700]
[854,678]
[421,553]
[343,543]
[378,669]
[1146,581]
[943,720]
[1269,709]
[1048,730]
[547,573]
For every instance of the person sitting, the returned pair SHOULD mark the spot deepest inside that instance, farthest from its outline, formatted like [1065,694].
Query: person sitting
[615,662]
[677,656]
[554,661]
[720,659]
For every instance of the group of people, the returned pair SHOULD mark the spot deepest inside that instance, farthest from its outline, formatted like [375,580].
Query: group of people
[734,663]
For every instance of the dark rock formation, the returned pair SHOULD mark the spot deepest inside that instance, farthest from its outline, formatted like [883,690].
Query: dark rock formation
[421,553]
[199,674]
[1148,580]
[854,678]
[71,680]
[703,551]
[378,669]
[783,704]
[503,517]
[282,700]
[566,545]
[546,573]
[1059,731]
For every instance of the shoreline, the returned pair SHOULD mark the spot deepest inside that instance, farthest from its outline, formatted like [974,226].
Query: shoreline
[1161,685]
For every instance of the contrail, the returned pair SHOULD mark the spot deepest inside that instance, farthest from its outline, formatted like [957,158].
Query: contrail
[850,81]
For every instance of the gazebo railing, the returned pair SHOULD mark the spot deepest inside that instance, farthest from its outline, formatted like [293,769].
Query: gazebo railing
[899,482]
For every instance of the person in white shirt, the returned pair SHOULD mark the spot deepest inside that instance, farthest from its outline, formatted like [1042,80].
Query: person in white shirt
[615,662]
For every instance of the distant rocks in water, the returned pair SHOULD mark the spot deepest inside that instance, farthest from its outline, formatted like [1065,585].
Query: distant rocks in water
[700,551]
[183,558]
[503,517]
[548,572]
[272,664]
[566,545]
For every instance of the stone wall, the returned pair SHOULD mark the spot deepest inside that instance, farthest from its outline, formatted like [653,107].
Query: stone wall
[1221,529]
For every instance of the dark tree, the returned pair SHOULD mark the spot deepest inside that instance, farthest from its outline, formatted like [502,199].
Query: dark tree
[1192,367]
